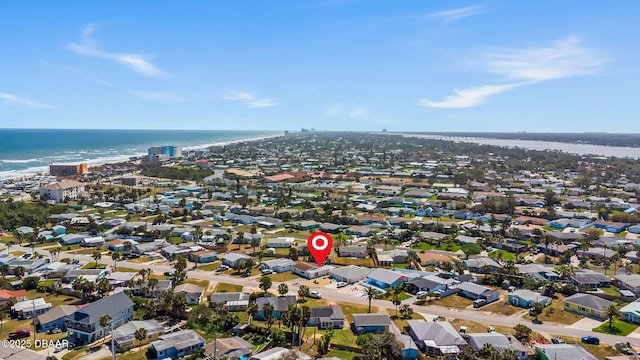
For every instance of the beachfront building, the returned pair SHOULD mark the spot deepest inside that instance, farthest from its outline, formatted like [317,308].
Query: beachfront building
[62,190]
[168,150]
[68,169]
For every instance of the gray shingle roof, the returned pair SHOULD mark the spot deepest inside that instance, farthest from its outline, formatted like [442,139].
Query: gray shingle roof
[441,333]
[91,313]
[380,319]
[589,301]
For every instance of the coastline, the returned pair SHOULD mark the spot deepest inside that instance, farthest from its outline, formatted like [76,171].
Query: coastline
[16,175]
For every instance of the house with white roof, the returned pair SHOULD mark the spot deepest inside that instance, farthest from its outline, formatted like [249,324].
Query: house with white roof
[29,308]
[438,339]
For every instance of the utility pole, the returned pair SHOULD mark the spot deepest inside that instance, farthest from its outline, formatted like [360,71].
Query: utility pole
[113,349]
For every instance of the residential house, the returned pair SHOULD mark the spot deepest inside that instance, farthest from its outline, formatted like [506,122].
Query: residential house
[433,258]
[85,322]
[233,348]
[350,274]
[204,256]
[360,231]
[628,281]
[526,298]
[91,275]
[280,242]
[587,304]
[437,339]
[391,257]
[95,241]
[280,305]
[124,336]
[474,291]
[597,253]
[54,318]
[430,283]
[324,317]
[19,295]
[500,342]
[355,251]
[311,271]
[278,353]
[6,258]
[233,301]
[477,265]
[307,225]
[119,278]
[234,260]
[177,344]
[511,245]
[330,228]
[27,309]
[278,265]
[383,278]
[155,292]
[71,239]
[562,352]
[631,312]
[191,291]
[370,323]
[29,266]
[464,214]
[557,249]
[537,272]
[590,279]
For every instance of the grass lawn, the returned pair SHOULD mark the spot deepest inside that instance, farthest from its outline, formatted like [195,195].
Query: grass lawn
[284,276]
[341,354]
[554,313]
[502,308]
[404,296]
[140,260]
[618,327]
[71,247]
[92,265]
[454,301]
[203,283]
[12,325]
[505,255]
[367,262]
[613,291]
[126,269]
[475,327]
[89,251]
[73,354]
[349,309]
[209,267]
[18,253]
[401,266]
[226,287]
[401,323]
[443,246]
[53,299]
[622,234]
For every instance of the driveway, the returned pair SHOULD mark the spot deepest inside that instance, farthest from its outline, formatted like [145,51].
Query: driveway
[585,324]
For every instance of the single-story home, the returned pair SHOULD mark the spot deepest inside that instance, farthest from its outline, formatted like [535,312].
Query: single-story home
[230,348]
[54,318]
[191,291]
[278,265]
[280,242]
[233,301]
[631,312]
[590,279]
[234,260]
[477,265]
[437,339]
[500,342]
[562,352]
[356,251]
[124,336]
[177,344]
[628,281]
[350,274]
[324,317]
[29,308]
[587,304]
[311,271]
[383,278]
[280,305]
[474,291]
[370,323]
[526,298]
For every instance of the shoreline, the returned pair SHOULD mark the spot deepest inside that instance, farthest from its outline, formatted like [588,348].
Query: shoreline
[29,173]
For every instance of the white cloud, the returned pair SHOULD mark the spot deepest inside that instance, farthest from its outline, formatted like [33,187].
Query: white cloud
[137,62]
[456,14]
[468,97]
[166,97]
[564,58]
[561,59]
[333,110]
[250,100]
[22,101]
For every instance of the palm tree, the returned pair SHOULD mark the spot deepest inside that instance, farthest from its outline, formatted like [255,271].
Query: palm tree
[4,269]
[371,293]
[395,300]
[547,240]
[97,255]
[140,334]
[105,320]
[252,310]
[283,289]
[267,309]
[152,283]
[412,258]
[611,312]
[240,239]
[303,292]
[115,256]
[265,284]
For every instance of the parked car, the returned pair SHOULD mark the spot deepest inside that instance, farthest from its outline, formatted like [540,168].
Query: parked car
[591,340]
[422,293]
[315,294]
[58,347]
[19,334]
[266,271]
[491,329]
[479,302]
[557,341]
[341,284]
[26,256]
[168,273]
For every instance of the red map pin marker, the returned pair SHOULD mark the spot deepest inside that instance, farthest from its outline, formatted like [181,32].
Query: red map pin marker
[319,245]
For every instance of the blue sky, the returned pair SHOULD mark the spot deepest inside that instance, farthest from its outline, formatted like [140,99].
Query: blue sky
[564,66]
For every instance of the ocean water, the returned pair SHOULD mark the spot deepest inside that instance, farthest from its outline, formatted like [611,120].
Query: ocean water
[29,151]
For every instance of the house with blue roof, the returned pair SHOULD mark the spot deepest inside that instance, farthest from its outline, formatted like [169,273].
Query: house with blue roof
[384,279]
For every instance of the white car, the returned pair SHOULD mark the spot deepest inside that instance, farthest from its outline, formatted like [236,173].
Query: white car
[421,293]
[315,295]
[341,284]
